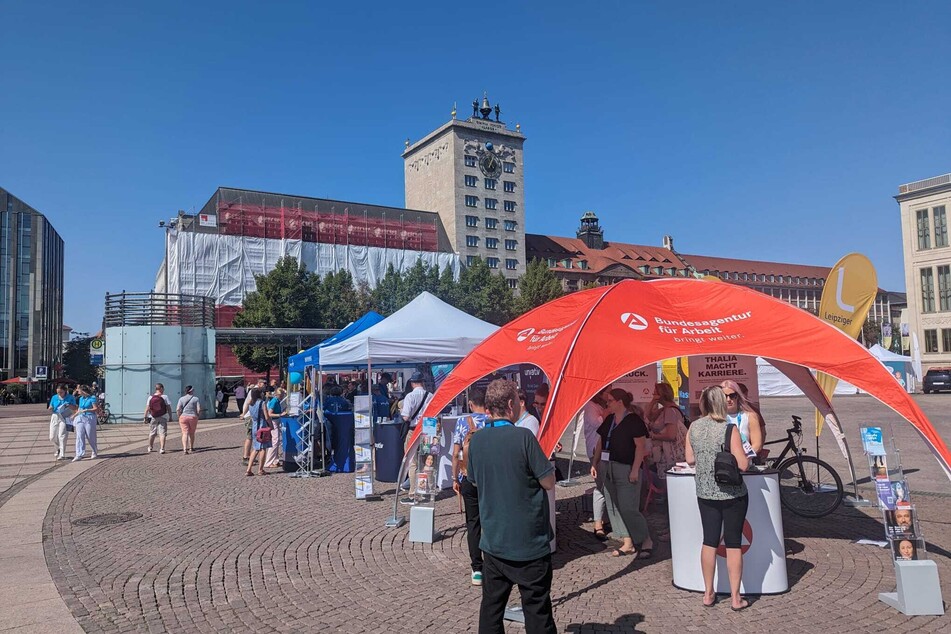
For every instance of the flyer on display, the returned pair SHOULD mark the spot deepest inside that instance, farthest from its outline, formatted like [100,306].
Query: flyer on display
[907,549]
[429,426]
[886,495]
[364,486]
[872,441]
[900,523]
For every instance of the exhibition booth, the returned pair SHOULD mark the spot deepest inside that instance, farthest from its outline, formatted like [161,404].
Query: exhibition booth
[587,340]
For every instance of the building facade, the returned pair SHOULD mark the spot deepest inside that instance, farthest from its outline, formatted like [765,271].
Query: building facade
[588,259]
[924,207]
[31,291]
[471,173]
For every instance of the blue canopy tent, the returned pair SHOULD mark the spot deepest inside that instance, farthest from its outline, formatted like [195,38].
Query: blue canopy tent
[311,356]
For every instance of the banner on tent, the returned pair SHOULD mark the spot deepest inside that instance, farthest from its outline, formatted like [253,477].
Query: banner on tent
[713,369]
[640,383]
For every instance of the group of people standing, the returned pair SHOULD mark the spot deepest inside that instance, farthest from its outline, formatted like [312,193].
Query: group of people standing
[262,411]
[75,412]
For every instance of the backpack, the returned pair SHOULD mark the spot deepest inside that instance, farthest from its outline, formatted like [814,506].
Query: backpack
[157,406]
[725,469]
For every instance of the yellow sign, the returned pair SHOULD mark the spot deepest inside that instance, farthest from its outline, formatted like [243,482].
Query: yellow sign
[846,299]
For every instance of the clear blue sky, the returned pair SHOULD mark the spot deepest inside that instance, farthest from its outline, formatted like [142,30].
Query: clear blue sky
[758,130]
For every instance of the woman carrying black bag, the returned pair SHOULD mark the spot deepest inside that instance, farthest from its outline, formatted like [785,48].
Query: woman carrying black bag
[722,506]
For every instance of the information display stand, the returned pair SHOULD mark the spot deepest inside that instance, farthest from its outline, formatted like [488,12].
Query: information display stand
[918,589]
[763,546]
[422,516]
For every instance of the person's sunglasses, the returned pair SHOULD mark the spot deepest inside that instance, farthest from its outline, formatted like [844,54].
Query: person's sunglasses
[540,403]
[731,395]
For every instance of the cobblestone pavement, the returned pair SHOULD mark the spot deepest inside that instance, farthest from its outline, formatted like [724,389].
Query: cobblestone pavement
[199,547]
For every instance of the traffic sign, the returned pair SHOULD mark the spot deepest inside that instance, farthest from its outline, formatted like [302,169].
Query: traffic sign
[40,373]
[97,349]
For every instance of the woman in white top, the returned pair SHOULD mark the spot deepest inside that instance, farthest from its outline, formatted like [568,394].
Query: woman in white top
[742,414]
[526,420]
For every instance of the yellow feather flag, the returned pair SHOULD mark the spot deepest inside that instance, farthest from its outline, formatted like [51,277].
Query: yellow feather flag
[846,299]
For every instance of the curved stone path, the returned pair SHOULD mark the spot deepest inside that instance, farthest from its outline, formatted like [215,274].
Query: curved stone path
[215,551]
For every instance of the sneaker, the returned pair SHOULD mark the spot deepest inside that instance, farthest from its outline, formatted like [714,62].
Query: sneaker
[476,578]
[408,501]
[77,458]
[94,456]
[161,451]
[149,450]
[56,456]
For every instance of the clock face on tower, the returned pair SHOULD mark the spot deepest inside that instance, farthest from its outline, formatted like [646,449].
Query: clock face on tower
[491,165]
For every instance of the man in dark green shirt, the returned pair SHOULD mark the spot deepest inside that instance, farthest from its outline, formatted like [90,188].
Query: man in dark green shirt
[511,474]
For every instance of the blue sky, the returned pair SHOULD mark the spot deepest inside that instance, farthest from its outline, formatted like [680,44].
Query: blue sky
[775,131]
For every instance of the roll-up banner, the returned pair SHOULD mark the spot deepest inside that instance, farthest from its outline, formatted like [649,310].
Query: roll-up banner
[847,297]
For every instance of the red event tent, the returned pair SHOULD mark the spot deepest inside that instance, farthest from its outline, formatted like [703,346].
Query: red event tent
[588,339]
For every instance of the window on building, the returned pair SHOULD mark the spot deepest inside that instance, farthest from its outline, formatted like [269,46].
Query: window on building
[780,279]
[508,168]
[492,262]
[509,205]
[513,284]
[772,279]
[746,277]
[736,277]
[510,245]
[552,262]
[924,231]
[511,264]
[571,285]
[510,225]
[566,263]
[946,339]
[944,287]
[471,161]
[644,269]
[508,186]
[491,203]
[583,265]
[931,340]
[940,227]
[472,201]
[490,183]
[491,223]
[472,221]
[471,181]
[472,241]
[491,243]
[927,290]
[470,260]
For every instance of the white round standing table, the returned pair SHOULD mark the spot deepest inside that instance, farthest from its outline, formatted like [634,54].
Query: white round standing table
[764,559]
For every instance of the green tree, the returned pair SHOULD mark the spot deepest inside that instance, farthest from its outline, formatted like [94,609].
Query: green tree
[485,295]
[538,286]
[76,364]
[387,297]
[287,297]
[338,300]
[448,289]
[420,277]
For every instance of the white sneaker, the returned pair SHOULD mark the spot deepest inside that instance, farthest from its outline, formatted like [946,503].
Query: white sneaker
[94,456]
[148,450]
[162,451]
[56,456]
[77,458]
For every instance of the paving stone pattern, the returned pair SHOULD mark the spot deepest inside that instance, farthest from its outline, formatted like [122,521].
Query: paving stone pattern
[215,551]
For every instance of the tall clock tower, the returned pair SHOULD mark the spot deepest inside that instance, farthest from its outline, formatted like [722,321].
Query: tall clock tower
[471,173]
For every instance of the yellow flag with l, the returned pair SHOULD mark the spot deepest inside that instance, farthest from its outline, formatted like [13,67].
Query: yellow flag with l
[848,295]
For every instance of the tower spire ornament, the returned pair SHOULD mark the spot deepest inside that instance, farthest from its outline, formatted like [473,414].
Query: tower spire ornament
[453,113]
[486,109]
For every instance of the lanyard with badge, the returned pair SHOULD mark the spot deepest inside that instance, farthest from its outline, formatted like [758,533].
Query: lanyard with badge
[498,423]
[605,452]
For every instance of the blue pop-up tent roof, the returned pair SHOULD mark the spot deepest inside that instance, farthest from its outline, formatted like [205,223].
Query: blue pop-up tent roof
[311,356]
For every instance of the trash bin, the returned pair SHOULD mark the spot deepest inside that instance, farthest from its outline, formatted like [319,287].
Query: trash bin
[389,450]
[341,432]
[291,442]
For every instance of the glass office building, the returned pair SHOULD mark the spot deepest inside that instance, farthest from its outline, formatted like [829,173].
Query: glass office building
[31,291]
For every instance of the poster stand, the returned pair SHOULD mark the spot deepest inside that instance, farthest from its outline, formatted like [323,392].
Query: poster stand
[423,514]
[918,590]
[311,415]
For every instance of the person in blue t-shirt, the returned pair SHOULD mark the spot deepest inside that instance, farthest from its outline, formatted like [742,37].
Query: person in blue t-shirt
[276,408]
[85,423]
[465,427]
[63,407]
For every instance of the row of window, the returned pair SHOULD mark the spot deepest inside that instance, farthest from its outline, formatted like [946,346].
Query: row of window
[923,221]
[491,243]
[491,223]
[490,203]
[931,340]
[926,276]
[507,166]
[674,272]
[511,264]
[490,183]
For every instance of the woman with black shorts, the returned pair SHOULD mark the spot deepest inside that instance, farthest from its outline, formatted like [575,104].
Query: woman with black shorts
[722,507]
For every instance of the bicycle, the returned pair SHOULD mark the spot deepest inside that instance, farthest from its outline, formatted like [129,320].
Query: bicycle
[808,487]
[103,415]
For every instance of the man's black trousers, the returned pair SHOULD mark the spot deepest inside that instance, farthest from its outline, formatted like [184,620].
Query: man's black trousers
[533,579]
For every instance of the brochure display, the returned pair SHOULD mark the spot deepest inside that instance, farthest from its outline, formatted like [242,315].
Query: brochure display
[918,589]
[362,447]
[764,552]
[422,516]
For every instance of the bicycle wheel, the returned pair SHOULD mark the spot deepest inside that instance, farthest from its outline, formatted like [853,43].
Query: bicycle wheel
[809,487]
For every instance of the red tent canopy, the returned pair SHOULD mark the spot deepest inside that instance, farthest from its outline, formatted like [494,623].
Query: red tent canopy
[588,339]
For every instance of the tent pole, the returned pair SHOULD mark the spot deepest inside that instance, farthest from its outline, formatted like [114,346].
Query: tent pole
[567,482]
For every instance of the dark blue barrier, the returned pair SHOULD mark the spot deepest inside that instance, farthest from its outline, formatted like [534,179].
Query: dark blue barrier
[341,442]
[388,438]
